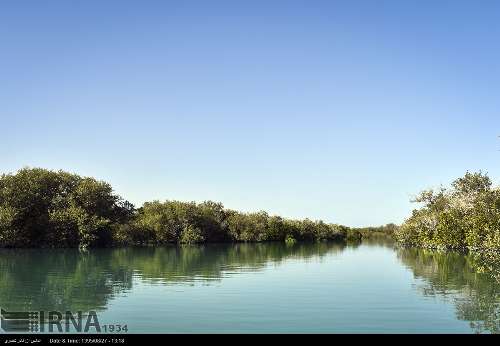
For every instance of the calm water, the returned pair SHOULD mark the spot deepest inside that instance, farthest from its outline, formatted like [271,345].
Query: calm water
[372,287]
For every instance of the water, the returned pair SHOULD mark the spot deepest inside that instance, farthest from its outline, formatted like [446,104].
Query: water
[271,288]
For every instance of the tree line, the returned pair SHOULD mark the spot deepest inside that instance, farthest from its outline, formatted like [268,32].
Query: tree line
[44,208]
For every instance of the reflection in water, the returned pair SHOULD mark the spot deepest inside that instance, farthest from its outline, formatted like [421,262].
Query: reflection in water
[68,280]
[63,280]
[59,280]
[469,280]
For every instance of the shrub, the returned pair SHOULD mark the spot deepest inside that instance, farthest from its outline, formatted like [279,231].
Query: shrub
[39,207]
[191,235]
[354,235]
[465,216]
[289,240]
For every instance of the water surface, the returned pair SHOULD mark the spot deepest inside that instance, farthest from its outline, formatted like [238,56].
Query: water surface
[373,287]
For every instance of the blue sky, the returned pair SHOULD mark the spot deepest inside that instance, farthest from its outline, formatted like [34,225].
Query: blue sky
[333,110]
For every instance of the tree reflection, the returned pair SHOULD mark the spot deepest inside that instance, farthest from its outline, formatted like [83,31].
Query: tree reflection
[471,281]
[69,280]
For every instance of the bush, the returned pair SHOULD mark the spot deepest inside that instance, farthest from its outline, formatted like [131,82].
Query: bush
[191,235]
[39,207]
[132,234]
[354,236]
[167,221]
[465,216]
[289,240]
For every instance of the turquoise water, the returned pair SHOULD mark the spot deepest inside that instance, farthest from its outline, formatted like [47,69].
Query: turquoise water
[259,288]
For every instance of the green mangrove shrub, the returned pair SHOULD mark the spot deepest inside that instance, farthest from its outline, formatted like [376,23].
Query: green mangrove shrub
[289,240]
[354,235]
[466,215]
[39,207]
[191,235]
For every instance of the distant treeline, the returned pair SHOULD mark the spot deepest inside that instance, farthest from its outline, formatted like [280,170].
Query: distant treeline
[465,216]
[43,208]
[380,231]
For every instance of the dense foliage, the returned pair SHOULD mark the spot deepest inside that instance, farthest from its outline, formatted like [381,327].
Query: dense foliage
[467,215]
[39,207]
[380,231]
[189,222]
[42,208]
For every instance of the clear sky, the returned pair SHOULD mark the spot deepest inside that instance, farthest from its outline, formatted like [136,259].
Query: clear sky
[333,110]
